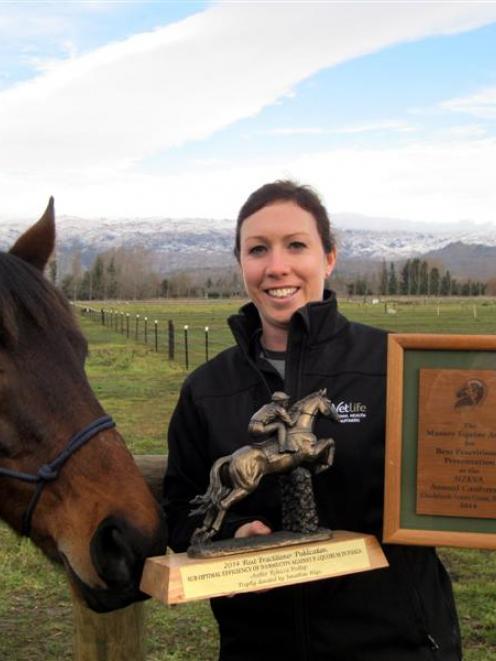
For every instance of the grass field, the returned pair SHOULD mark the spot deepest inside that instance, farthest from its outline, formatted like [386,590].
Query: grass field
[403,315]
[139,388]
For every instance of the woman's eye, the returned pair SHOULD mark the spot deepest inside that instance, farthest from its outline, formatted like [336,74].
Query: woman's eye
[297,245]
[256,250]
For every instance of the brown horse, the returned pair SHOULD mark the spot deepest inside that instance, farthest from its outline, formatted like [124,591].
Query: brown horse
[66,477]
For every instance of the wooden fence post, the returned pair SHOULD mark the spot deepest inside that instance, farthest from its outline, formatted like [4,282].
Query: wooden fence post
[170,327]
[186,349]
[120,635]
[116,636]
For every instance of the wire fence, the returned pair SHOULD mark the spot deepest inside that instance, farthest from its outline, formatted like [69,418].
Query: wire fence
[192,333]
[187,344]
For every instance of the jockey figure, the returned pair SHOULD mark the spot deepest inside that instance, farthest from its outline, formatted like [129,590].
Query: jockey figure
[273,417]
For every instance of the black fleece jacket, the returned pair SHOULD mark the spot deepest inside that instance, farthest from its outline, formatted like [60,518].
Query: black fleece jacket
[405,612]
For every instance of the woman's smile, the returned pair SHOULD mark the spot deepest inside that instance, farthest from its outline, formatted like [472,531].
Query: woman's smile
[282,292]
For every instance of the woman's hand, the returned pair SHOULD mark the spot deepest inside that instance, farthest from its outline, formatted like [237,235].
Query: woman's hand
[251,529]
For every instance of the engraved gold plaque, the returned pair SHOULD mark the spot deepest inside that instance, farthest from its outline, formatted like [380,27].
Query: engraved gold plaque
[178,578]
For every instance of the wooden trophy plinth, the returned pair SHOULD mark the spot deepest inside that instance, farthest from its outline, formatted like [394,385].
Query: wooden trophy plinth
[178,578]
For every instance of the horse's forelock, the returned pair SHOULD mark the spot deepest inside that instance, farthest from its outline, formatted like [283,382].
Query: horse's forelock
[27,299]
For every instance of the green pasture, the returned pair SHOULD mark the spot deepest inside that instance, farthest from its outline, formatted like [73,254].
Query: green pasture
[476,315]
[139,388]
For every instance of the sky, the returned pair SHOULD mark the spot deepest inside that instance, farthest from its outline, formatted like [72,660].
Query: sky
[181,109]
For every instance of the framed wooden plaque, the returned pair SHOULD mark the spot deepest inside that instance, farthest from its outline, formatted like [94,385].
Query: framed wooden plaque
[440,483]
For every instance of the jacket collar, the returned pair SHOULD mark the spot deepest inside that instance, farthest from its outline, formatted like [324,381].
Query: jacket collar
[319,320]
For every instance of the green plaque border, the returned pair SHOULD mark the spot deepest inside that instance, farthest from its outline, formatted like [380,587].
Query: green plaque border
[407,354]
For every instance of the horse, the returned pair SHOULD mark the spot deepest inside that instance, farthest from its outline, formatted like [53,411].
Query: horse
[67,480]
[234,476]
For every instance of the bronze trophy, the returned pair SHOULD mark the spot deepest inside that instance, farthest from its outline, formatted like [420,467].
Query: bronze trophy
[301,552]
[293,451]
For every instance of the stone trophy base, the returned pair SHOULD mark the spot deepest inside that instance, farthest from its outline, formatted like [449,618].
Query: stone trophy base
[178,578]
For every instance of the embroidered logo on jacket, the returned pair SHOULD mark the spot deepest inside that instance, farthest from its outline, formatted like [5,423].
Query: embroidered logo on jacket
[351,411]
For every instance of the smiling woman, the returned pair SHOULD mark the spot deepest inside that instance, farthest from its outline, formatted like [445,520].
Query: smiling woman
[63,465]
[285,256]
[292,338]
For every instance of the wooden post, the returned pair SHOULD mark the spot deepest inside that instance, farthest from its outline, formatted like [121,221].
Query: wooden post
[186,352]
[170,326]
[120,635]
[116,636]
[152,467]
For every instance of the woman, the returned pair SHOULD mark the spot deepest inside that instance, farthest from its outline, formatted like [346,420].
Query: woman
[292,338]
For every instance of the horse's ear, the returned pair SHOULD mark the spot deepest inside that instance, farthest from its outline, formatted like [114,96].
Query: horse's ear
[323,392]
[37,243]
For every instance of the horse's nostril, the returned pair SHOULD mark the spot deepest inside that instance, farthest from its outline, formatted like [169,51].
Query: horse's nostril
[113,555]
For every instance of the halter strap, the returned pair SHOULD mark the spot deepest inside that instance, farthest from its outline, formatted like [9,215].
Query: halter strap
[50,472]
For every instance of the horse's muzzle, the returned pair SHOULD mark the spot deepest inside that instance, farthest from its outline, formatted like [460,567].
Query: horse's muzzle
[118,552]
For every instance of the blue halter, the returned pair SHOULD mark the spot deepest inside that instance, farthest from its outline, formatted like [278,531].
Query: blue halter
[50,472]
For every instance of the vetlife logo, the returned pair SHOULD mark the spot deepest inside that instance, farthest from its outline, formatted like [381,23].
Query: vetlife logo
[351,411]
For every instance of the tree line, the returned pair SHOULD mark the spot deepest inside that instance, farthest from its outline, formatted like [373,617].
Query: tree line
[415,277]
[134,273]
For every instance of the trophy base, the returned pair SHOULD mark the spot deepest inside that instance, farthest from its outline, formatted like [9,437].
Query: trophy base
[177,578]
[256,543]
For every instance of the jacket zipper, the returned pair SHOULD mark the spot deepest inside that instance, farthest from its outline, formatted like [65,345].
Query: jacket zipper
[300,590]
[293,386]
[431,641]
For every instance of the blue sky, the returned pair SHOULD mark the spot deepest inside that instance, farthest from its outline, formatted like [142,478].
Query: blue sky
[124,109]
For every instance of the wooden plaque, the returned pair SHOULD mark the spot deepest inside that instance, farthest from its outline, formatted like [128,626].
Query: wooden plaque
[440,486]
[178,578]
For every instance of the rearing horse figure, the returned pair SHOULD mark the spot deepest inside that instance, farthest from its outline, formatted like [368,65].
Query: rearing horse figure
[235,476]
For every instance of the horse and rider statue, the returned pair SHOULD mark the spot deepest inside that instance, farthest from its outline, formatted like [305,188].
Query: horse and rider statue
[289,443]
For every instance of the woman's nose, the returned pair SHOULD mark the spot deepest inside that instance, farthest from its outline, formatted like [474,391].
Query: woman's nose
[277,264]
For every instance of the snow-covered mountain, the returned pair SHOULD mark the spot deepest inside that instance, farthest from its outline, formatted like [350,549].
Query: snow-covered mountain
[200,242]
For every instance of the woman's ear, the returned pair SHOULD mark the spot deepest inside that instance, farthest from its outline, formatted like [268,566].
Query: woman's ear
[331,262]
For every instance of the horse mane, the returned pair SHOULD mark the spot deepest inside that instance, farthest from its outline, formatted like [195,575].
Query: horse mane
[28,299]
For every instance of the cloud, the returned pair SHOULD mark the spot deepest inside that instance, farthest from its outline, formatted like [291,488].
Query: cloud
[67,49]
[431,181]
[372,127]
[481,105]
[84,126]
